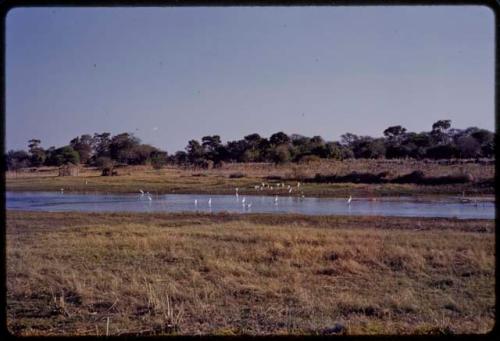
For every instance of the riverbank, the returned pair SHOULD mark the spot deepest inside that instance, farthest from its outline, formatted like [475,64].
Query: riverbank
[248,178]
[150,274]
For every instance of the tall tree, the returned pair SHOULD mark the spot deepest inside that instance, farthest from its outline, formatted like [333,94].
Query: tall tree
[37,154]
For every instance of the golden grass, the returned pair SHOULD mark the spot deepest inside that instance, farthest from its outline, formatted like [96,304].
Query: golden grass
[80,274]
[218,181]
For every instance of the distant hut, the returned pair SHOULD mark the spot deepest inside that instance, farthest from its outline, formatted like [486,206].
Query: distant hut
[69,170]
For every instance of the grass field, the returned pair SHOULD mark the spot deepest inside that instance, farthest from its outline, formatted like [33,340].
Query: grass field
[150,274]
[223,180]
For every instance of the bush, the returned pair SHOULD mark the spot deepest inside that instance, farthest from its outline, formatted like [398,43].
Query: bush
[414,177]
[236,175]
[309,159]
[158,159]
[104,162]
[274,177]
[354,177]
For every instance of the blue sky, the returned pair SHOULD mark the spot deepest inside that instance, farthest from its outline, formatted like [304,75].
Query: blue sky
[172,74]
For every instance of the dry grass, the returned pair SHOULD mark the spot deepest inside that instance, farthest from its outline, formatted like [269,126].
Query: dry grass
[76,273]
[219,181]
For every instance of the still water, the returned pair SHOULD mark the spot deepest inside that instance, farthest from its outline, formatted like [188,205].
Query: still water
[98,202]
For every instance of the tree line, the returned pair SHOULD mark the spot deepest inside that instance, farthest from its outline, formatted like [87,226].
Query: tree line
[105,150]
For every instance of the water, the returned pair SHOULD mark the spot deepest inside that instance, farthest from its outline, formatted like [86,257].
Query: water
[403,207]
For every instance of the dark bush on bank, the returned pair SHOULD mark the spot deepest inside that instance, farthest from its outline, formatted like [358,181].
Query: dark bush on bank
[237,175]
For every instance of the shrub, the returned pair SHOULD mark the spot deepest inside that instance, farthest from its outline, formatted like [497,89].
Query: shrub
[236,175]
[309,158]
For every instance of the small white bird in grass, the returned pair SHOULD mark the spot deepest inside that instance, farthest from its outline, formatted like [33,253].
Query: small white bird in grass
[349,200]
[86,182]
[210,202]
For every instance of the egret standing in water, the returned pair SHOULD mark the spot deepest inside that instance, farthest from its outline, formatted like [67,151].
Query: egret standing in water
[349,200]
[243,201]
[196,202]
[276,200]
[210,202]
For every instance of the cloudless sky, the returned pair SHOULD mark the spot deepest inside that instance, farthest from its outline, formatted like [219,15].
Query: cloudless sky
[172,74]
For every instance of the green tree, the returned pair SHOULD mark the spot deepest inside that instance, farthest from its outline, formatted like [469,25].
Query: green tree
[158,159]
[62,156]
[101,144]
[84,145]
[281,154]
[17,159]
[279,138]
[36,152]
[195,151]
[121,146]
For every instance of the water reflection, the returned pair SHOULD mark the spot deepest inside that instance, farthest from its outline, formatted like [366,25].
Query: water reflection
[405,207]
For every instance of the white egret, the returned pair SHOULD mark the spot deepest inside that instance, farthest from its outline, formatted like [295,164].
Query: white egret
[195,202]
[86,182]
[243,200]
[210,202]
[62,190]
[276,199]
[298,184]
[349,200]
[249,205]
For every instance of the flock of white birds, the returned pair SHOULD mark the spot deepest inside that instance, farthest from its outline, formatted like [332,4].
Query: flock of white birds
[244,203]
